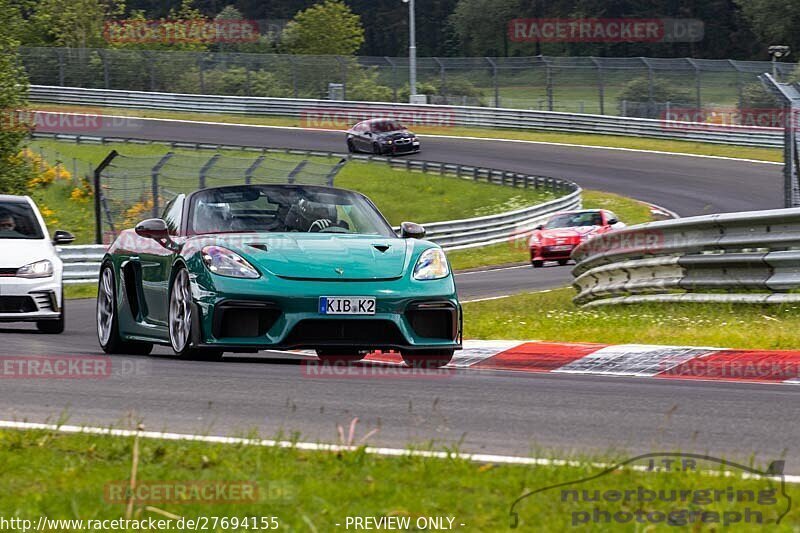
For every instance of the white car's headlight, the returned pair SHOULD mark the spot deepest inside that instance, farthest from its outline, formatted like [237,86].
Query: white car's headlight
[432,264]
[39,269]
[224,262]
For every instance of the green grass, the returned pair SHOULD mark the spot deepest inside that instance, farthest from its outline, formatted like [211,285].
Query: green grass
[551,316]
[516,250]
[80,290]
[615,141]
[65,477]
[400,195]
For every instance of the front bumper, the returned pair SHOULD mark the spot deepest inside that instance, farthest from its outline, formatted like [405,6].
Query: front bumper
[401,148]
[284,314]
[25,300]
[548,253]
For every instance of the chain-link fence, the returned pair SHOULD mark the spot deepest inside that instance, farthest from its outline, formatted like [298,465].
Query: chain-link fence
[138,187]
[612,86]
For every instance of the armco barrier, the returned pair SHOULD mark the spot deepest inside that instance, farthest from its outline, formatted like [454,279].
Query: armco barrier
[82,263]
[749,257]
[455,115]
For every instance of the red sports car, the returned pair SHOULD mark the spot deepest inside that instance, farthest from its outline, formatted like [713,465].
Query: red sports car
[555,239]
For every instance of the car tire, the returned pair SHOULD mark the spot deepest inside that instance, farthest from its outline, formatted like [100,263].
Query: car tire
[350,146]
[54,327]
[537,263]
[183,321]
[563,262]
[334,356]
[107,317]
[427,358]
[376,149]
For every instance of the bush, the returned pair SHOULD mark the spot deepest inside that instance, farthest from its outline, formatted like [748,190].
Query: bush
[636,100]
[755,96]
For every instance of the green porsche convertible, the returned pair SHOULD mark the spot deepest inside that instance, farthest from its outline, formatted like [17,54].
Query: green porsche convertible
[258,267]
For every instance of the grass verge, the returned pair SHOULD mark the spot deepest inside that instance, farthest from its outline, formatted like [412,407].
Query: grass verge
[84,477]
[551,316]
[80,290]
[400,195]
[516,250]
[615,141]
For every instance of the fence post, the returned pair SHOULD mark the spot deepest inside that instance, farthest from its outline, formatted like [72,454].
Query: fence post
[61,66]
[343,66]
[739,93]
[98,191]
[248,174]
[294,75]
[494,81]
[697,82]
[106,75]
[600,85]
[394,77]
[549,86]
[204,170]
[201,66]
[154,181]
[442,79]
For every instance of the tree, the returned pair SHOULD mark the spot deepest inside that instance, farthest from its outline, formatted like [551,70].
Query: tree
[14,170]
[481,25]
[326,28]
[774,21]
[73,23]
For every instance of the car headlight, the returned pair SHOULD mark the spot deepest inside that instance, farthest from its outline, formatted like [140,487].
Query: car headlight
[389,142]
[224,262]
[534,241]
[432,264]
[39,269]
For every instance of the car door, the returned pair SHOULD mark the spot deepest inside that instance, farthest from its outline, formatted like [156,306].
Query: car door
[156,263]
[364,137]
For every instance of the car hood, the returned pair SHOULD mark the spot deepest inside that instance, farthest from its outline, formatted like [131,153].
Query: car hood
[567,234]
[325,256]
[394,135]
[19,252]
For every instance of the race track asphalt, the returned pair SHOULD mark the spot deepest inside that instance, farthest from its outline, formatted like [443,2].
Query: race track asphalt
[493,412]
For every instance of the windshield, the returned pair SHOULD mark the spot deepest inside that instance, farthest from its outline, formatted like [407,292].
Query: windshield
[266,208]
[385,126]
[18,221]
[572,220]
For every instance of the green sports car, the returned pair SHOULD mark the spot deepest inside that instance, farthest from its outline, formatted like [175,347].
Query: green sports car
[254,267]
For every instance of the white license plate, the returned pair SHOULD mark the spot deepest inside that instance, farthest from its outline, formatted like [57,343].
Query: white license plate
[561,247]
[346,305]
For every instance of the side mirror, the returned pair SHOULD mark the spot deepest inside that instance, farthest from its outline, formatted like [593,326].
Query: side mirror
[539,227]
[152,228]
[612,221]
[410,230]
[62,237]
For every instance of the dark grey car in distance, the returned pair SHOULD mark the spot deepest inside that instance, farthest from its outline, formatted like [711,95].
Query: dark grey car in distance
[381,137]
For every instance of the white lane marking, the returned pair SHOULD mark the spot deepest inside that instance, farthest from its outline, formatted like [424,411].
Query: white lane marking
[491,270]
[321,447]
[509,296]
[469,138]
[490,298]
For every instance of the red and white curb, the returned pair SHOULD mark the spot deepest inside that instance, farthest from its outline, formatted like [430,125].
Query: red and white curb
[632,360]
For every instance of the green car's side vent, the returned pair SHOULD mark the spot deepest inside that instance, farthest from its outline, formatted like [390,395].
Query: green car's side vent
[262,247]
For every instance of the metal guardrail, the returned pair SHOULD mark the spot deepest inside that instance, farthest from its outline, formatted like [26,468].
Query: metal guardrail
[749,257]
[82,262]
[321,110]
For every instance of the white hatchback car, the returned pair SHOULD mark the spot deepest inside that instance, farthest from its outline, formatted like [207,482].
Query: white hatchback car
[31,287]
